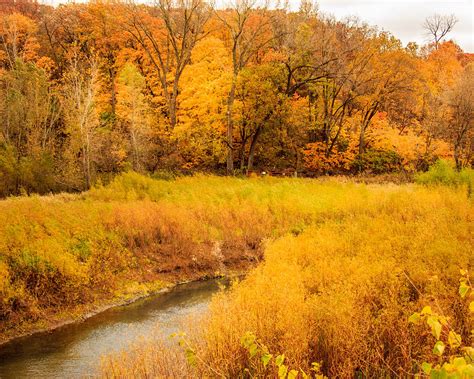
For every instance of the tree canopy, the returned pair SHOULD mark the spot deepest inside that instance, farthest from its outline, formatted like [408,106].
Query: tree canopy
[92,89]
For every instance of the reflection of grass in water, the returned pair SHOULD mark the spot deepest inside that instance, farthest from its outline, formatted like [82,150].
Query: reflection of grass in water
[159,352]
[183,306]
[156,354]
[144,360]
[340,289]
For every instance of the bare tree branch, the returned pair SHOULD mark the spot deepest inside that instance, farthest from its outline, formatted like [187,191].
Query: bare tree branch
[438,26]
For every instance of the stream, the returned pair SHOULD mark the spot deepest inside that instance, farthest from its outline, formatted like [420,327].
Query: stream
[74,350]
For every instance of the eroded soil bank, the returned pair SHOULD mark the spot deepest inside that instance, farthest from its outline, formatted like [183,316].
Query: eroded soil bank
[154,283]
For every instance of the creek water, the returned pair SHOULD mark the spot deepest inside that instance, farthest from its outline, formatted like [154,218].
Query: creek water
[74,351]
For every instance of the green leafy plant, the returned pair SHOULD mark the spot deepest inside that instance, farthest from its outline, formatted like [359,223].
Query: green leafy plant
[192,357]
[189,351]
[443,173]
[261,360]
[460,363]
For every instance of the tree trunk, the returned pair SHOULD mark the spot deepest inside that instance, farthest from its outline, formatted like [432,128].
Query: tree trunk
[230,126]
[253,144]
[87,162]
[242,156]
[136,157]
[172,104]
[297,162]
[84,168]
[113,94]
[368,116]
[457,157]
[362,140]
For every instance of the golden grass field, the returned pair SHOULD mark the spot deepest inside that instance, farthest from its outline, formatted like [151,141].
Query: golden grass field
[337,287]
[338,268]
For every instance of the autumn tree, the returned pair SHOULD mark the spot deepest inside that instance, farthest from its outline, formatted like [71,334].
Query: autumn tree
[201,131]
[248,31]
[168,32]
[332,98]
[29,8]
[66,28]
[313,56]
[17,39]
[305,48]
[80,118]
[257,111]
[29,111]
[108,40]
[460,123]
[439,72]
[387,77]
[133,111]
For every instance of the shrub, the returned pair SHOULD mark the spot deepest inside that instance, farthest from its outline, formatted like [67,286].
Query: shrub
[444,173]
[165,174]
[32,174]
[377,162]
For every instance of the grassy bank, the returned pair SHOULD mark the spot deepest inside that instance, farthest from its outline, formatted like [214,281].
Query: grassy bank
[338,288]
[66,255]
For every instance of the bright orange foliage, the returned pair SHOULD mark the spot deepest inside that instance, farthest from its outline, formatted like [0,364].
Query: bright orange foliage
[243,88]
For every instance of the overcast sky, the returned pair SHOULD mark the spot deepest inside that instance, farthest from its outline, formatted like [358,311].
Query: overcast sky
[404,18]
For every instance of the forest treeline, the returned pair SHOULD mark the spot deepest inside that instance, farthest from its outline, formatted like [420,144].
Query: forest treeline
[91,90]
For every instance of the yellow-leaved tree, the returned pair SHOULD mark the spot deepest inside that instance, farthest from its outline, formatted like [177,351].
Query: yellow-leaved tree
[202,112]
[134,115]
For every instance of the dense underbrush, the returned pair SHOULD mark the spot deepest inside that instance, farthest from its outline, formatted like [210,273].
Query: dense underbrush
[338,289]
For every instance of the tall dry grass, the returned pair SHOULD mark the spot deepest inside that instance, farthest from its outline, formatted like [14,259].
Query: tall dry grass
[339,289]
[344,265]
[63,255]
